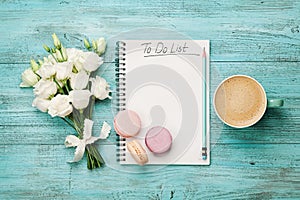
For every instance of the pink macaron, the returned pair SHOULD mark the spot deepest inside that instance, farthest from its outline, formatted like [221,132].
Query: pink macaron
[127,123]
[158,140]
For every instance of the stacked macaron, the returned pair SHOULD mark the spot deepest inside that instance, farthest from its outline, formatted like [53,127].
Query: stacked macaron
[158,139]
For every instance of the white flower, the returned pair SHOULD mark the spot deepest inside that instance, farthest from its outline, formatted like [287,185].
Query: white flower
[60,106]
[76,57]
[63,70]
[41,104]
[91,61]
[100,88]
[73,141]
[78,64]
[79,81]
[101,46]
[45,88]
[73,54]
[29,78]
[80,98]
[46,71]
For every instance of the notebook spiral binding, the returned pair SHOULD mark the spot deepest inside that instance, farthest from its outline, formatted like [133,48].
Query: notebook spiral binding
[120,93]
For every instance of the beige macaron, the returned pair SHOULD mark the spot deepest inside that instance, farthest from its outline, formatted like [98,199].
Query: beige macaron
[137,152]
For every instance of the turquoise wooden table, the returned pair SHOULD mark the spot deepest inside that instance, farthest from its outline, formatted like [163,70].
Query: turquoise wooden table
[256,38]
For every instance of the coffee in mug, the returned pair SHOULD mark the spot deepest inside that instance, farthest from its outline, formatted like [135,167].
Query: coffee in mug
[240,101]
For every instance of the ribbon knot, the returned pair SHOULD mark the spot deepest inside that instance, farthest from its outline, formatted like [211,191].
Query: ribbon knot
[73,141]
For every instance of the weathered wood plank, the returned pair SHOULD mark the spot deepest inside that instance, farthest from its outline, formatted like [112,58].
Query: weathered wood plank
[236,171]
[21,123]
[34,172]
[238,30]
[53,131]
[260,162]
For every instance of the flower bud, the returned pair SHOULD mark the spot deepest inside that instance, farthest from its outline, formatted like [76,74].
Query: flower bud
[94,45]
[29,78]
[59,56]
[47,48]
[101,46]
[40,62]
[86,43]
[34,65]
[56,41]
[64,53]
[53,50]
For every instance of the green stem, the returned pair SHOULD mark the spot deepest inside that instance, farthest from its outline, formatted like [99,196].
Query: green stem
[92,106]
[80,124]
[95,160]
[92,161]
[37,75]
[60,88]
[53,57]
[60,51]
[67,87]
[89,161]
[69,123]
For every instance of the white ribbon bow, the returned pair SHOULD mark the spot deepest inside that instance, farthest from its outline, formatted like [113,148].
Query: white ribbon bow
[73,141]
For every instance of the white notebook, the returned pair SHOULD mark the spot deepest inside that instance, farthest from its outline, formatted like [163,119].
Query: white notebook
[166,82]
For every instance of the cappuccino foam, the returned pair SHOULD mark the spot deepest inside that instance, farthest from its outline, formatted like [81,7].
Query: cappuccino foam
[240,101]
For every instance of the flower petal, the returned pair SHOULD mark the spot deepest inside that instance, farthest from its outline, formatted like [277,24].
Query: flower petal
[92,61]
[44,88]
[41,104]
[79,81]
[80,98]
[63,70]
[100,88]
[60,106]
[46,71]
[23,85]
[72,141]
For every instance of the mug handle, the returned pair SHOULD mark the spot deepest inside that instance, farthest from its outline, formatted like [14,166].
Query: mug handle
[275,103]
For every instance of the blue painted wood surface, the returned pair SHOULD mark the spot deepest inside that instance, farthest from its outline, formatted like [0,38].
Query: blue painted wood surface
[256,38]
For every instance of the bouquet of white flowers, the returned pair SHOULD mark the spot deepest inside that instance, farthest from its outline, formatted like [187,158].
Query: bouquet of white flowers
[64,85]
